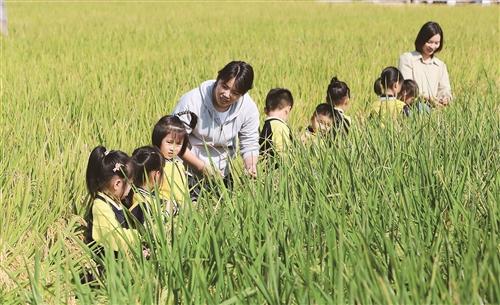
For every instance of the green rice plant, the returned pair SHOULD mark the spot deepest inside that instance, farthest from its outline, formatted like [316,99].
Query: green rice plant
[405,214]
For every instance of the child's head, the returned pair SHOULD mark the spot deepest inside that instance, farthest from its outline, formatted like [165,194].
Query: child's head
[149,166]
[279,99]
[389,82]
[338,93]
[110,172]
[322,118]
[170,136]
[409,91]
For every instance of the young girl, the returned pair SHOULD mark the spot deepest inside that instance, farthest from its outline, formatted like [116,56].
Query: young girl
[171,138]
[321,123]
[149,170]
[107,178]
[387,86]
[338,95]
[409,94]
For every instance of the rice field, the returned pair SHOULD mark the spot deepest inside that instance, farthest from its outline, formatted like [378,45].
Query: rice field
[406,214]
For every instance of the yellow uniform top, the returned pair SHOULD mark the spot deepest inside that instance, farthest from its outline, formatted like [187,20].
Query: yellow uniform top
[142,204]
[109,226]
[388,107]
[174,185]
[275,137]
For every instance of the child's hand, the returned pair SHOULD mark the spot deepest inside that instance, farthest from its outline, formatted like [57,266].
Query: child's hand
[146,253]
[171,208]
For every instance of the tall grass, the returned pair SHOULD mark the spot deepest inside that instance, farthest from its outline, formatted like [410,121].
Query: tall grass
[406,214]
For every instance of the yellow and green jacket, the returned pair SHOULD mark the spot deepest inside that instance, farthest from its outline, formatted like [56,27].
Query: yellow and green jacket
[142,204]
[275,137]
[107,224]
[389,107]
[174,187]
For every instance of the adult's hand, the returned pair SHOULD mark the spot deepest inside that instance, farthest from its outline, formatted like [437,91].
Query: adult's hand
[445,101]
[209,170]
[251,166]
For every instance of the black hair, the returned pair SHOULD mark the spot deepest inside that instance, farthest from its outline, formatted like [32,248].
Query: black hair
[324,109]
[377,87]
[242,74]
[278,98]
[408,89]
[103,165]
[387,79]
[428,30]
[166,125]
[336,91]
[147,159]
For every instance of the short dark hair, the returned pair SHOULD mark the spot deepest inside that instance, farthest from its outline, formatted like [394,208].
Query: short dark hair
[428,30]
[336,91]
[409,89]
[147,159]
[103,165]
[388,77]
[166,125]
[278,98]
[324,109]
[242,74]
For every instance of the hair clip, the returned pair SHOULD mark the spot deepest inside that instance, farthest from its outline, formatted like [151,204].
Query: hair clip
[106,153]
[117,167]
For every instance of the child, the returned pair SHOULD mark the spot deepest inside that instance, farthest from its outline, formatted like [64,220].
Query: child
[409,94]
[321,122]
[275,135]
[149,170]
[171,138]
[108,174]
[388,86]
[338,95]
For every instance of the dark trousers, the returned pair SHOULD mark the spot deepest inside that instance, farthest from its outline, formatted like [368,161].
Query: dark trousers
[197,184]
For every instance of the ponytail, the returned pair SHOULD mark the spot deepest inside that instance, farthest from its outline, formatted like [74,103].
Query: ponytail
[103,165]
[337,90]
[389,77]
[147,159]
[377,87]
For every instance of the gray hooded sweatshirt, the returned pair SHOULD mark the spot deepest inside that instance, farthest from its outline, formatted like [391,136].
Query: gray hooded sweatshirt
[213,140]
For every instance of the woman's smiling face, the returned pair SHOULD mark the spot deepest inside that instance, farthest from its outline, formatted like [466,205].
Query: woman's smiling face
[431,45]
[225,95]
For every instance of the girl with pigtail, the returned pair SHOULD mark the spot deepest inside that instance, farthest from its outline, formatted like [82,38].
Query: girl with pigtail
[148,177]
[387,87]
[337,96]
[108,177]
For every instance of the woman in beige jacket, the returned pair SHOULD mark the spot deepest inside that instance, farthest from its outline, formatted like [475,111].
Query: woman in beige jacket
[425,68]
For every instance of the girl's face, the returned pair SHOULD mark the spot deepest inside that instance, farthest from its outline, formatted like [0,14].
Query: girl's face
[171,145]
[321,123]
[431,45]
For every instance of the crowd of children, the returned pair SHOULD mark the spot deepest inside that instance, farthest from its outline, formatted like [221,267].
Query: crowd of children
[126,190]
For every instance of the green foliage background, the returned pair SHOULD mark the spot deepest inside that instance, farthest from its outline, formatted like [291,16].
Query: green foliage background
[407,214]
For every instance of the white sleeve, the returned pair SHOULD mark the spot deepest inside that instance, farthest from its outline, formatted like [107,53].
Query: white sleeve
[405,66]
[444,87]
[249,132]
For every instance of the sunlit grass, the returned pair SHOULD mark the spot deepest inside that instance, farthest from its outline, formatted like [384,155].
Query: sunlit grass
[407,214]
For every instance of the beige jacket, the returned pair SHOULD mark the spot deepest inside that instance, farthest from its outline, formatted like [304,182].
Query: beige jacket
[432,77]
